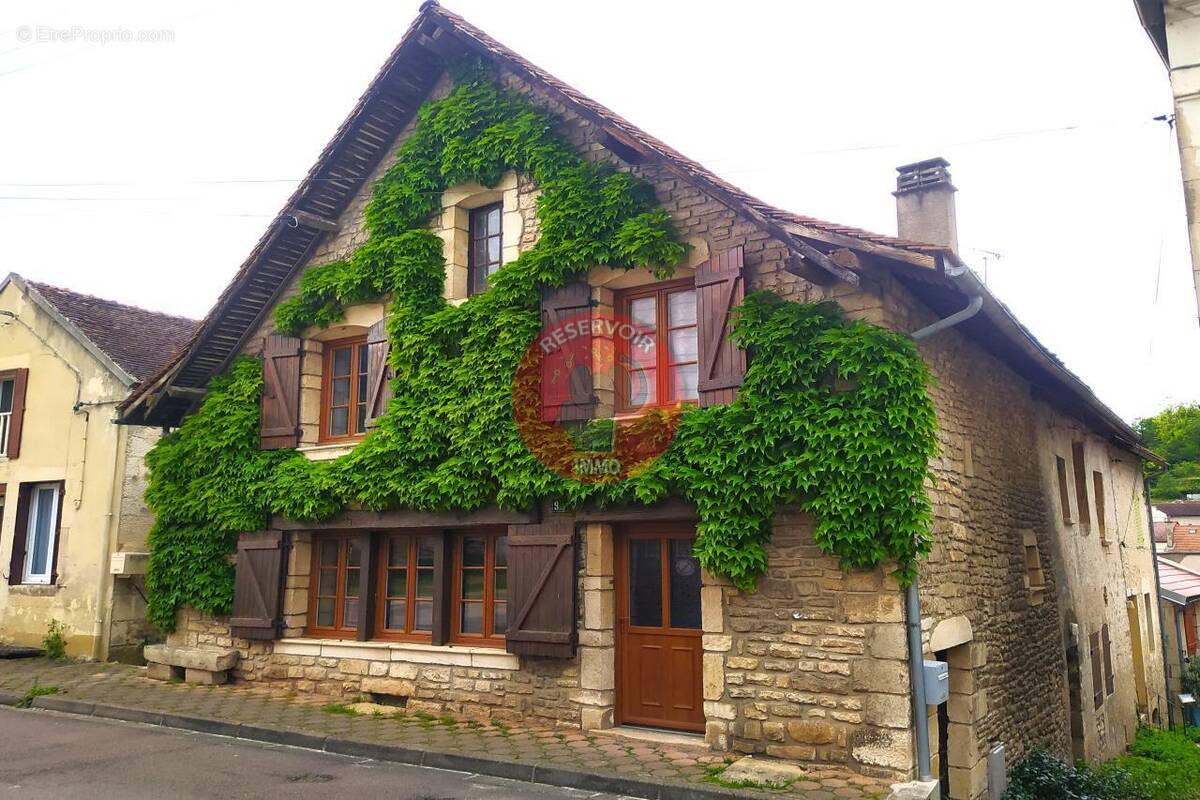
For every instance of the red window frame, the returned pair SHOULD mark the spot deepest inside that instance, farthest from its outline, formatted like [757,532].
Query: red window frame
[663,366]
[488,637]
[339,629]
[413,569]
[358,394]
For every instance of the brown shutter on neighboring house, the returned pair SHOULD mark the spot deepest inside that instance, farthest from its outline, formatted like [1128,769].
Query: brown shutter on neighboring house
[1097,678]
[257,585]
[541,589]
[280,423]
[720,288]
[20,382]
[379,372]
[1109,684]
[567,390]
[16,562]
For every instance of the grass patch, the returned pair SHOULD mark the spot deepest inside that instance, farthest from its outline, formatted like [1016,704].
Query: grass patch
[338,708]
[26,700]
[714,773]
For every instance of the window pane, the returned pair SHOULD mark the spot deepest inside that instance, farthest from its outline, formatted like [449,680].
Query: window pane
[328,583]
[43,520]
[424,583]
[493,219]
[642,388]
[397,583]
[645,582]
[397,615]
[501,551]
[398,551]
[683,345]
[353,553]
[339,420]
[685,382]
[685,585]
[325,613]
[341,361]
[472,618]
[500,590]
[340,392]
[500,619]
[361,418]
[426,546]
[681,308]
[472,584]
[350,613]
[6,396]
[424,616]
[329,553]
[362,359]
[644,312]
[493,252]
[472,551]
[352,582]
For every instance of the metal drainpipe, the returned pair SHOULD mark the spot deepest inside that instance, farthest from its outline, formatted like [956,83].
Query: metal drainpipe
[965,280]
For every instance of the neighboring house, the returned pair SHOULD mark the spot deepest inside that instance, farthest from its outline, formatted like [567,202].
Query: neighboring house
[1182,526]
[1174,28]
[1038,592]
[71,481]
[1184,512]
[1180,591]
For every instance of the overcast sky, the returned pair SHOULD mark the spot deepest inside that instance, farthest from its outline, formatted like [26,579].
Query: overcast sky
[145,171]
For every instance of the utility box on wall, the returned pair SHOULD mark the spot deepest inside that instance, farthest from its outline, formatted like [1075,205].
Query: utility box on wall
[937,682]
[127,563]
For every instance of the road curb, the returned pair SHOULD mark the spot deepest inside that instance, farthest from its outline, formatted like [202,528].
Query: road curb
[512,770]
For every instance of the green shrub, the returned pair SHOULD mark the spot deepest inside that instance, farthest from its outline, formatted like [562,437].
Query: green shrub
[1164,764]
[54,643]
[1041,776]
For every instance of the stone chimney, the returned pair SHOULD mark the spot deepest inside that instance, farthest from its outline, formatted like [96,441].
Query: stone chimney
[925,203]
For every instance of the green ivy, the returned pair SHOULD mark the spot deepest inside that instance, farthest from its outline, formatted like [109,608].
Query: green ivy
[833,415]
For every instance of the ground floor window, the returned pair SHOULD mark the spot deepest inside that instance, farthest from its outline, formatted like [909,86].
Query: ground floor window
[412,586]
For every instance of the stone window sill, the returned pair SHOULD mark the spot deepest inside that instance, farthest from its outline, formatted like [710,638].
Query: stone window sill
[34,589]
[327,452]
[413,653]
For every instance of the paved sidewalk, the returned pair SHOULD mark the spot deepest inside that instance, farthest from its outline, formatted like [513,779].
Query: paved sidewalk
[554,754]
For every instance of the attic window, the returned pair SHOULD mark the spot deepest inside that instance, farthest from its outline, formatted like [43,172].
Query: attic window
[483,259]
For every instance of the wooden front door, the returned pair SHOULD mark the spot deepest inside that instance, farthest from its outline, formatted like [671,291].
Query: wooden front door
[658,629]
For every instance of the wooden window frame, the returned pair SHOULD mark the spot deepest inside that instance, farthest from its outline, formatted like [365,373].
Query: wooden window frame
[409,634]
[355,343]
[6,416]
[622,301]
[1064,490]
[1079,465]
[475,283]
[338,630]
[50,578]
[489,637]
[1094,656]
[1098,489]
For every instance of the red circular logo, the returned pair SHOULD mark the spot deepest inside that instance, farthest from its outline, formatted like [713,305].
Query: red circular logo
[584,398]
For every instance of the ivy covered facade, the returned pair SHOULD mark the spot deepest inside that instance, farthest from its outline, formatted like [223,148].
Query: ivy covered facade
[709,534]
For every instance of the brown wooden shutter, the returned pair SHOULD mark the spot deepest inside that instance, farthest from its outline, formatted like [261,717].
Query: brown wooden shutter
[1109,684]
[541,589]
[20,382]
[379,372]
[257,585]
[1097,678]
[567,390]
[720,288]
[16,562]
[280,423]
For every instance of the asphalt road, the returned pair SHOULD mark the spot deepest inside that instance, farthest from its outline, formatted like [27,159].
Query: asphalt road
[48,755]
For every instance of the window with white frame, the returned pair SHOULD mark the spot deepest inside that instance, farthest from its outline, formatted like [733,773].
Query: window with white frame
[41,533]
[7,390]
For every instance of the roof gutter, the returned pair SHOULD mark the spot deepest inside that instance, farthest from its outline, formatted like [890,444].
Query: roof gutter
[964,279]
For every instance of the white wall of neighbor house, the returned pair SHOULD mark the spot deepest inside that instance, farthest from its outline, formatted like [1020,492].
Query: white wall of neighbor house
[76,444]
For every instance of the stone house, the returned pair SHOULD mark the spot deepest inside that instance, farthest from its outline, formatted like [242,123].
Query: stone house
[1179,587]
[1035,592]
[72,520]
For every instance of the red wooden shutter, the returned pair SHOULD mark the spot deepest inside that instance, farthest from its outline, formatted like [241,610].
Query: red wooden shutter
[1108,668]
[1189,628]
[720,288]
[16,562]
[20,382]
[541,589]
[257,585]
[280,423]
[567,392]
[379,372]
[1097,678]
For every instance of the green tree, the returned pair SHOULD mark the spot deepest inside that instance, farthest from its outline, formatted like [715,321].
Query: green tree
[1174,434]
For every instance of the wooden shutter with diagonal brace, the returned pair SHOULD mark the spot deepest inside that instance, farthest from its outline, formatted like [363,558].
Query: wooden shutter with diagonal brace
[280,422]
[379,372]
[720,288]
[258,585]
[541,589]
[567,390]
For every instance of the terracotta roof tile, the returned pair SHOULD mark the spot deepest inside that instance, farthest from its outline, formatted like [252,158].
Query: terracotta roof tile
[141,342]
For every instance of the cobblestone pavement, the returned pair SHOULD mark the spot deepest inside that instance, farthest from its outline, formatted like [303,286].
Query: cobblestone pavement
[122,685]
